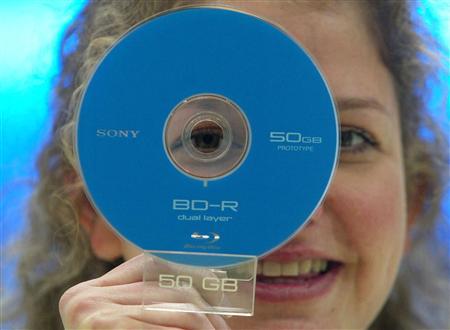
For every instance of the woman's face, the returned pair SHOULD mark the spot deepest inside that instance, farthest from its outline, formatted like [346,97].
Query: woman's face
[362,223]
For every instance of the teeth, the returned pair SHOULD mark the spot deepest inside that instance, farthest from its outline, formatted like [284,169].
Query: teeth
[294,268]
[304,267]
[315,266]
[290,269]
[271,268]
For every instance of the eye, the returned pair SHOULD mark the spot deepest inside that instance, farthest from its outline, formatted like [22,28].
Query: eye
[356,140]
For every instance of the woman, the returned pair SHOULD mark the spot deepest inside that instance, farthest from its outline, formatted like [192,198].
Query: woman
[379,213]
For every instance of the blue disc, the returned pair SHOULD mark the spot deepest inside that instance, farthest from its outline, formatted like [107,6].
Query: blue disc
[207,51]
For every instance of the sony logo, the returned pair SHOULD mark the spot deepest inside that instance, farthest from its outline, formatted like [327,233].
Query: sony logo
[117,133]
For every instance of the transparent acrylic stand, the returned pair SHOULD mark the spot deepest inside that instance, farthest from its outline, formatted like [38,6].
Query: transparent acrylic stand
[179,282]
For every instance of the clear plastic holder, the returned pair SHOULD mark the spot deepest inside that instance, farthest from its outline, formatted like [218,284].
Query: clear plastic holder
[174,282]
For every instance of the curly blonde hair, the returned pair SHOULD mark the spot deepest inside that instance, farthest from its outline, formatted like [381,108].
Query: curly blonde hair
[56,254]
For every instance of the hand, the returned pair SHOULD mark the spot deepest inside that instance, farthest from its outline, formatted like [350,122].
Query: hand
[114,301]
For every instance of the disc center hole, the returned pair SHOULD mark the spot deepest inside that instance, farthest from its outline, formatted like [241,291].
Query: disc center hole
[206,136]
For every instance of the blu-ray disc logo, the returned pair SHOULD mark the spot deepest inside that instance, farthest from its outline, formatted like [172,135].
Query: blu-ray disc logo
[294,141]
[208,238]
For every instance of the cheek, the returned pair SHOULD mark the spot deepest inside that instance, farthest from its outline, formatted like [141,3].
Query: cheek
[129,250]
[104,242]
[369,204]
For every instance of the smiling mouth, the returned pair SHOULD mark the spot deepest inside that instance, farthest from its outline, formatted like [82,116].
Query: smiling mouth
[295,280]
[272,270]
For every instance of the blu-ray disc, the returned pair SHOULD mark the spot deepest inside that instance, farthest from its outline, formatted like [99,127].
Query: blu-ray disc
[207,130]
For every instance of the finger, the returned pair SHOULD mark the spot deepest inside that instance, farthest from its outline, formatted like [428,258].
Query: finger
[116,319]
[149,295]
[98,314]
[92,307]
[132,271]
[127,272]
[124,323]
[145,293]
[184,320]
[218,322]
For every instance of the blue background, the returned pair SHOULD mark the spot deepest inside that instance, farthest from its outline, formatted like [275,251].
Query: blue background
[30,32]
